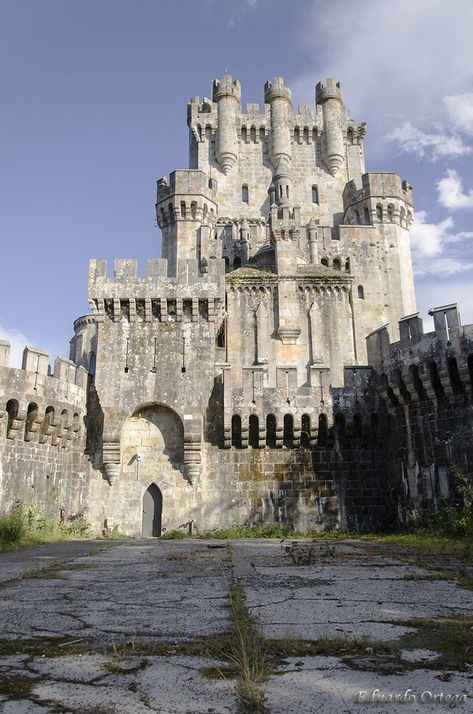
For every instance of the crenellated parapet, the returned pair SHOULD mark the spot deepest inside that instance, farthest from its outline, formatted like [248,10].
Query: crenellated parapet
[432,366]
[382,198]
[155,296]
[39,404]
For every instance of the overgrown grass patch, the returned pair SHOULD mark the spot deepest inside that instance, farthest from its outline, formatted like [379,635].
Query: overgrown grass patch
[23,526]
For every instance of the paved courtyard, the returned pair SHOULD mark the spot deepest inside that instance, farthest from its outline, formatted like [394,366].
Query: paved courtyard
[143,626]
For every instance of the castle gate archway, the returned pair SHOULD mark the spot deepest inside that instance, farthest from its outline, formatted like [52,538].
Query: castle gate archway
[152,512]
[154,493]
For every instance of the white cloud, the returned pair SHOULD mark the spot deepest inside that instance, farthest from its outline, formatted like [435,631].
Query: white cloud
[460,109]
[432,146]
[429,243]
[451,193]
[18,342]
[395,60]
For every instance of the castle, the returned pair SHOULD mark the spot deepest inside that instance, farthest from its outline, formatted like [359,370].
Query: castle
[263,368]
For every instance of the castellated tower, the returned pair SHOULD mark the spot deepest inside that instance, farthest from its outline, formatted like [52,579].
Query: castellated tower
[279,256]
[223,379]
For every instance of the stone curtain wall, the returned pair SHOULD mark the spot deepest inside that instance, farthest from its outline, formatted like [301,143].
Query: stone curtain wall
[42,435]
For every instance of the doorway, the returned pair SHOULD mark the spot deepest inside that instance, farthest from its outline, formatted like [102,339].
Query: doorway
[152,512]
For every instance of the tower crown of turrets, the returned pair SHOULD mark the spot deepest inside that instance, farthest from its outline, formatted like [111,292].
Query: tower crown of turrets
[330,90]
[226,87]
[276,90]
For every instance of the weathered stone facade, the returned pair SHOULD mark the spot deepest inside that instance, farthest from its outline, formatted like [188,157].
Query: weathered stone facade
[233,382]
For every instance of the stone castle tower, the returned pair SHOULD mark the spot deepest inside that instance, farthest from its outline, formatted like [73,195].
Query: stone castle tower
[215,380]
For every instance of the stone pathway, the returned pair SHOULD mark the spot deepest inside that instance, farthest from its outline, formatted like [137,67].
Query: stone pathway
[127,627]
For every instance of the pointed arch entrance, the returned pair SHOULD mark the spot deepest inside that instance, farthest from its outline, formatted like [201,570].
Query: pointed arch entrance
[152,512]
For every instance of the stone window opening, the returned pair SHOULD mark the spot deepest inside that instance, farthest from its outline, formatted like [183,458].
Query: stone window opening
[11,408]
[361,292]
[183,209]
[367,217]
[305,431]
[306,135]
[350,136]
[236,263]
[287,191]
[92,366]
[172,310]
[324,262]
[204,309]
[253,134]
[288,431]
[391,213]
[347,265]
[435,381]
[322,439]
[297,135]
[31,417]
[337,265]
[357,217]
[244,134]
[402,215]
[253,435]
[221,335]
[379,212]
[48,420]
[417,382]
[187,310]
[170,211]
[156,309]
[245,194]
[236,431]
[193,210]
[271,431]
[315,194]
[454,376]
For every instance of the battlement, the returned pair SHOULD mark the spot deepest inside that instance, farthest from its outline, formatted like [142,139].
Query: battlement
[448,335]
[126,284]
[187,182]
[331,90]
[66,380]
[378,185]
[276,90]
[226,87]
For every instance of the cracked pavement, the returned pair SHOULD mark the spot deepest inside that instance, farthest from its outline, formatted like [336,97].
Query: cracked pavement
[101,610]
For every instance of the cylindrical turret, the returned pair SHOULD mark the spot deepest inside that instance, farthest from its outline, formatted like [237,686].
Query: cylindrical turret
[312,235]
[329,97]
[279,97]
[282,183]
[227,94]
[244,241]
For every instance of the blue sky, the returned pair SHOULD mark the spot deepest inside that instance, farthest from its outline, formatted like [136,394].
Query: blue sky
[93,111]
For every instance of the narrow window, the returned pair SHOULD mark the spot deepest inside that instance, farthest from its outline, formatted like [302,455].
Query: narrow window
[305,431]
[236,263]
[236,431]
[391,212]
[361,292]
[244,134]
[315,194]
[253,436]
[379,212]
[288,433]
[12,412]
[454,375]
[271,431]
[357,217]
[183,209]
[31,416]
[323,431]
[367,217]
[347,265]
[245,196]
[337,264]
